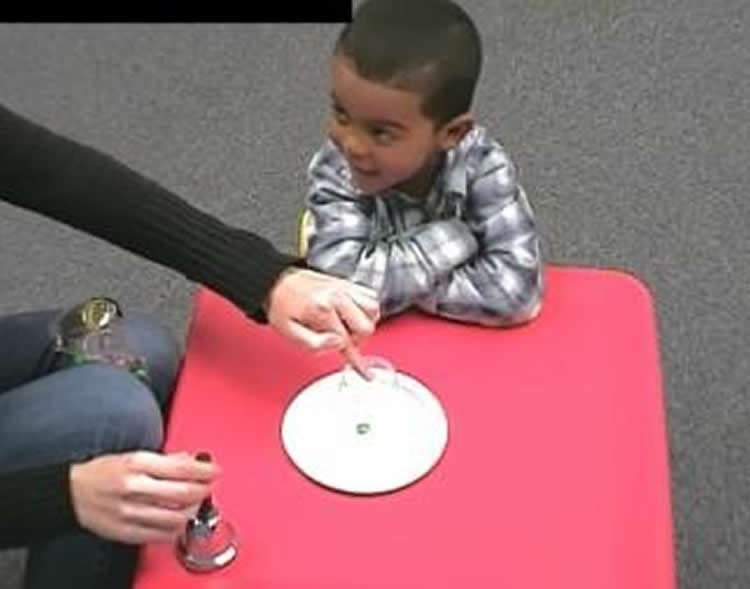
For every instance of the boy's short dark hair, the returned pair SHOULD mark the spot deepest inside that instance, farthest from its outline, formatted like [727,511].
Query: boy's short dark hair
[429,46]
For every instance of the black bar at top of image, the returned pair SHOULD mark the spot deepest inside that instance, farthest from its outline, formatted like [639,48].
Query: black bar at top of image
[177,11]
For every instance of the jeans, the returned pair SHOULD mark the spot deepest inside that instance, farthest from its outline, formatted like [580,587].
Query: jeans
[72,414]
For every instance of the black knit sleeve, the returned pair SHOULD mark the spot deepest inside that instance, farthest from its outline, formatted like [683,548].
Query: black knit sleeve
[91,191]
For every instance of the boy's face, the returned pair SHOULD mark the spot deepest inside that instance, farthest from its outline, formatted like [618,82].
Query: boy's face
[383,134]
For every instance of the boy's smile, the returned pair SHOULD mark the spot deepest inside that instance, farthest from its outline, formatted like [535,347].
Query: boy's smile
[381,130]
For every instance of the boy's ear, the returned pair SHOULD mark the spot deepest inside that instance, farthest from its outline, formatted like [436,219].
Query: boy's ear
[453,131]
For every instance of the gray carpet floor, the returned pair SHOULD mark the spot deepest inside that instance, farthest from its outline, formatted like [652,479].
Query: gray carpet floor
[630,123]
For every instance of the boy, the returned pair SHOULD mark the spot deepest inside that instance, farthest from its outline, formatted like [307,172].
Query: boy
[408,196]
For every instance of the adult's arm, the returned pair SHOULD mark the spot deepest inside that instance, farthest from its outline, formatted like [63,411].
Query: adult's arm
[91,191]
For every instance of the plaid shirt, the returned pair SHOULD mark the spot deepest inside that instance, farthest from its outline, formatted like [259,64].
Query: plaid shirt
[469,251]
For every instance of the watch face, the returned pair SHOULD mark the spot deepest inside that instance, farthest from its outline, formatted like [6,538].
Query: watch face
[98,313]
[90,316]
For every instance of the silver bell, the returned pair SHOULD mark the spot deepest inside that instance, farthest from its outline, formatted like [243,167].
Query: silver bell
[208,543]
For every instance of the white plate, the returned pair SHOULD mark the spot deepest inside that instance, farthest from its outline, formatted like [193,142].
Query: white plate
[365,437]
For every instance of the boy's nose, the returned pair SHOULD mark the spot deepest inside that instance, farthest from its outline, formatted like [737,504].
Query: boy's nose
[354,146]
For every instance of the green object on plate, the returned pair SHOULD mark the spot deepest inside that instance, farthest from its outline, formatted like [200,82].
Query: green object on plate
[363,428]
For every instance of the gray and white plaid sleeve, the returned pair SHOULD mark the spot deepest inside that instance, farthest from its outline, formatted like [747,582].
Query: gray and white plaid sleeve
[402,267]
[503,283]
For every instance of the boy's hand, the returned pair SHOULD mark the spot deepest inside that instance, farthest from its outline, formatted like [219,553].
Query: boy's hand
[323,312]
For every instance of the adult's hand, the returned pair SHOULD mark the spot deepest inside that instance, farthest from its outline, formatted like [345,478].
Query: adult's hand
[139,497]
[323,312]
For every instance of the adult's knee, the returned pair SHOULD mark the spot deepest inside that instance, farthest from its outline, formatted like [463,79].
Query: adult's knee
[157,345]
[75,413]
[117,408]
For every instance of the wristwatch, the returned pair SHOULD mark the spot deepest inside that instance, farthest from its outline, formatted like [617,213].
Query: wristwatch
[90,333]
[94,314]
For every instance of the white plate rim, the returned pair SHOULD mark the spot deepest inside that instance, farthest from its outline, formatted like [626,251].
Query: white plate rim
[435,400]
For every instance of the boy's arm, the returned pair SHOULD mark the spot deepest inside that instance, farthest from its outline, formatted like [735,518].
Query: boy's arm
[503,283]
[401,268]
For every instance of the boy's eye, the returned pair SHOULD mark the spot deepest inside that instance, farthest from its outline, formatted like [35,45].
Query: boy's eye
[382,136]
[340,115]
